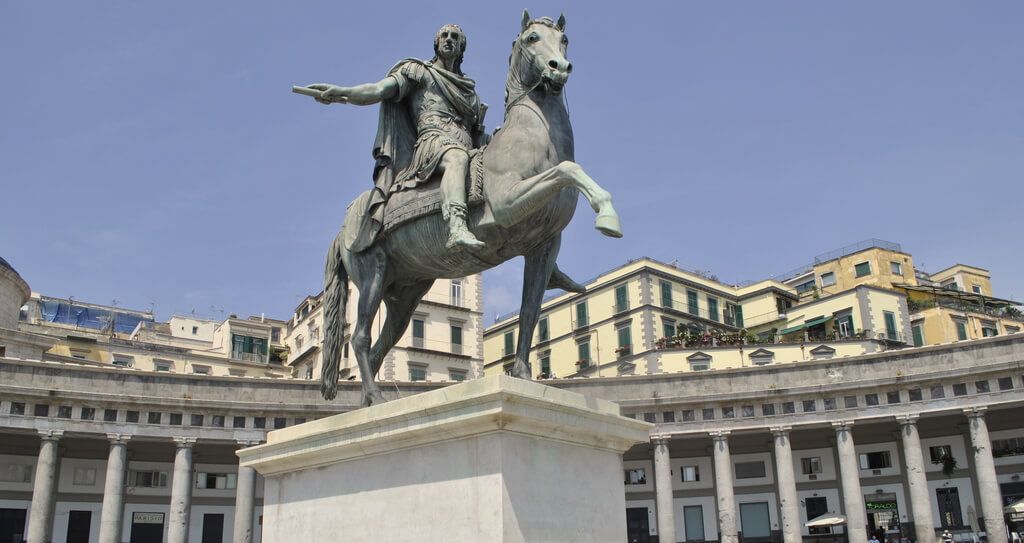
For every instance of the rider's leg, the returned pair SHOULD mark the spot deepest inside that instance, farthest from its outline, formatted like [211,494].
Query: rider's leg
[455,164]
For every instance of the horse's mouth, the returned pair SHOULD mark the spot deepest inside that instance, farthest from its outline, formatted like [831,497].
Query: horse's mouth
[554,82]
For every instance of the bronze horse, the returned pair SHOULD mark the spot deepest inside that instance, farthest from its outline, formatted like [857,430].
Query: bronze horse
[530,184]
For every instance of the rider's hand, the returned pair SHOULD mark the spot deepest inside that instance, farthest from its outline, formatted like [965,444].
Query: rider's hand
[331,94]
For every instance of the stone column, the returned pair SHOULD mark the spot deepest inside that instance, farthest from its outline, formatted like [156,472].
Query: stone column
[988,486]
[44,491]
[917,481]
[112,514]
[849,470]
[727,529]
[788,502]
[245,498]
[663,490]
[181,491]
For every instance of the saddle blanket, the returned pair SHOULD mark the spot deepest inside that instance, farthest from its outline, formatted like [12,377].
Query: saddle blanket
[424,199]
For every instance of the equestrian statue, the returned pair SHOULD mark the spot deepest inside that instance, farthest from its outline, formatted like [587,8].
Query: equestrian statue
[450,200]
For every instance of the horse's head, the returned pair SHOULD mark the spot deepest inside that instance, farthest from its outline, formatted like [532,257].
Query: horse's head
[538,57]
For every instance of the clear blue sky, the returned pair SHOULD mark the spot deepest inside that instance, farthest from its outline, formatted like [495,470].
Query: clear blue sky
[153,152]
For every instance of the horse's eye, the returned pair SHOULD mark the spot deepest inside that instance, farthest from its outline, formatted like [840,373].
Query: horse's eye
[565,40]
[533,37]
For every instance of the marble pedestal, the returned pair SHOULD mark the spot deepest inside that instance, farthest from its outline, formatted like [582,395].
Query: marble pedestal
[494,459]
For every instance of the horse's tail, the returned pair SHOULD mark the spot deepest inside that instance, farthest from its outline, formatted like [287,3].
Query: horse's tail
[335,297]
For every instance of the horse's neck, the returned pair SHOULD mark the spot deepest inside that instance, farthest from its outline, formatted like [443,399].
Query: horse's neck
[541,112]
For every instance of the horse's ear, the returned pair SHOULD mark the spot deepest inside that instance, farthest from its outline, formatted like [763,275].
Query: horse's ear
[561,22]
[526,20]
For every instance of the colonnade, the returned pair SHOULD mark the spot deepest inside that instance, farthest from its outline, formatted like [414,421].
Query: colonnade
[849,476]
[44,492]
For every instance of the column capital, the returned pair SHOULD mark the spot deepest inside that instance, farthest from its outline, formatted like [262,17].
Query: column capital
[778,431]
[243,443]
[661,439]
[119,439]
[184,442]
[51,435]
[719,435]
[975,412]
[842,425]
[907,420]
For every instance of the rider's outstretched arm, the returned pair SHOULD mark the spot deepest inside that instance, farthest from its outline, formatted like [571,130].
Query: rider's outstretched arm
[360,95]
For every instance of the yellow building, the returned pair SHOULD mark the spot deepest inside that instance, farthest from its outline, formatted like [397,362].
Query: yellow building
[648,317]
[872,262]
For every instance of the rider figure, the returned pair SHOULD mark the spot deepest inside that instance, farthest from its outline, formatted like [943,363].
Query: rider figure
[447,118]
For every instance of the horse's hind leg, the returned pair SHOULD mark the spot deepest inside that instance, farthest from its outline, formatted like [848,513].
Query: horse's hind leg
[371,266]
[526,196]
[401,303]
[536,274]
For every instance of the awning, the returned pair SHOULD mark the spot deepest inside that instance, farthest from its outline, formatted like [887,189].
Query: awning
[828,519]
[817,321]
[988,301]
[792,329]
[1016,507]
[805,324]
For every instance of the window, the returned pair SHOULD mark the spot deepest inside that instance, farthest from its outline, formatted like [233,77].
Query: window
[625,341]
[895,268]
[175,419]
[862,269]
[195,330]
[713,308]
[976,289]
[196,420]
[636,476]
[830,404]
[123,361]
[961,329]
[890,325]
[811,465]
[456,337]
[84,477]
[147,479]
[918,331]
[259,422]
[700,365]
[238,422]
[689,415]
[41,410]
[217,421]
[747,411]
[728,412]
[989,329]
[131,416]
[1005,383]
[298,342]
[809,406]
[545,364]
[216,480]
[915,394]
[938,452]
[893,396]
[693,520]
[456,292]
[582,317]
[200,370]
[510,342]
[64,412]
[768,409]
[668,328]
[621,298]
[154,417]
[875,460]
[690,474]
[1013,446]
[583,353]
[844,325]
[871,399]
[110,415]
[749,470]
[253,349]
[649,417]
[806,286]
[418,332]
[275,333]
[163,365]
[543,334]
[668,416]
[691,303]
[981,387]
[280,422]
[15,473]
[1011,329]
[788,408]
[828,279]
[708,413]
[937,392]
[459,375]
[737,314]
[960,389]
[88,413]
[850,401]
[666,294]
[417,373]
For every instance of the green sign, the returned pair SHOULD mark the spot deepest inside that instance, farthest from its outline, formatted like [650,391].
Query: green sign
[881,506]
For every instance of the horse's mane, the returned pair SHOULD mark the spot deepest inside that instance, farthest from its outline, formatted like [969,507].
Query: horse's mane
[515,87]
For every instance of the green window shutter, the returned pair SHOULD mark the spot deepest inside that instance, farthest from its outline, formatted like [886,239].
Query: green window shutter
[890,324]
[666,294]
[582,319]
[918,335]
[668,328]
[713,309]
[961,330]
[691,303]
[621,298]
[510,339]
[625,341]
[583,351]
[545,365]
[738,311]
[456,335]
[417,328]
[542,330]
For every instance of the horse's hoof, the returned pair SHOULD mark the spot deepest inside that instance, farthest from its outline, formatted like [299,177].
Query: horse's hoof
[609,225]
[371,398]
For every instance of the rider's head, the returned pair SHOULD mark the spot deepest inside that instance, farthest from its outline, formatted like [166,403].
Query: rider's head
[450,46]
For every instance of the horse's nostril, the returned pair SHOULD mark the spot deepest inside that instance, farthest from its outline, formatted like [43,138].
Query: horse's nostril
[553,64]
[568,68]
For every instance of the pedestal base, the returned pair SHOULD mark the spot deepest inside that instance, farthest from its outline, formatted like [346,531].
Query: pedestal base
[496,459]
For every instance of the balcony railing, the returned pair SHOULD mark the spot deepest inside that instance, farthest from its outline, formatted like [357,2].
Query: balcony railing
[249,357]
[957,305]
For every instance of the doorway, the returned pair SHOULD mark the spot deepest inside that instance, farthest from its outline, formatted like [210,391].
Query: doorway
[79,523]
[638,528]
[147,528]
[949,508]
[213,528]
[755,522]
[12,525]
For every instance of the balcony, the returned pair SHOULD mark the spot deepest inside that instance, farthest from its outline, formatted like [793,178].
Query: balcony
[249,357]
[1009,312]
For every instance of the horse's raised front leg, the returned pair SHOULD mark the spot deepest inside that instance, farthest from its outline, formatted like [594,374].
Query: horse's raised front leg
[526,196]
[536,273]
[371,266]
[401,304]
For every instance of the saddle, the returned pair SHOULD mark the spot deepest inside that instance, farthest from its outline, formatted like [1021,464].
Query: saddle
[425,199]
